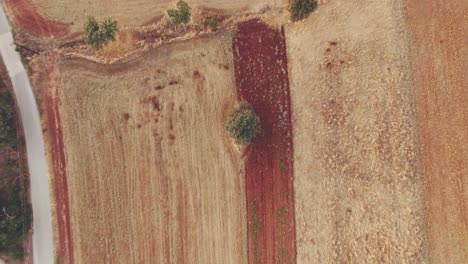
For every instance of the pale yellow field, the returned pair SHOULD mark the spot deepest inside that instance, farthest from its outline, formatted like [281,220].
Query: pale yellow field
[359,195]
[137,12]
[152,178]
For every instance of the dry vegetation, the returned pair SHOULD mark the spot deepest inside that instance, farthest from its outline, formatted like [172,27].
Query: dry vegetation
[136,12]
[152,177]
[357,178]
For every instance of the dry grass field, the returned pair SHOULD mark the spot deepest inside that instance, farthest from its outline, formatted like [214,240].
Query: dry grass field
[137,12]
[358,182]
[151,176]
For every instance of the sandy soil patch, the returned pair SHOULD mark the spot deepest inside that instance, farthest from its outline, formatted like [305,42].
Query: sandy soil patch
[262,80]
[32,20]
[357,178]
[151,174]
[439,62]
[136,12]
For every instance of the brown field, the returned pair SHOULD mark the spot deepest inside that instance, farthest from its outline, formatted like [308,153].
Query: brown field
[358,182]
[136,12]
[440,63]
[151,176]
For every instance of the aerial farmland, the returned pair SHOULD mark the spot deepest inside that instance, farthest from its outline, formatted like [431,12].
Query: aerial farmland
[271,131]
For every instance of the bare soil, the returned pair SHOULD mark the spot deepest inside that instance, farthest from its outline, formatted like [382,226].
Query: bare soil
[439,60]
[358,182]
[31,19]
[262,80]
[59,164]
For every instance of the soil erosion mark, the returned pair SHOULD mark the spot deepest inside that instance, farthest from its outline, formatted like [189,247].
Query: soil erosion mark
[60,174]
[28,18]
[262,80]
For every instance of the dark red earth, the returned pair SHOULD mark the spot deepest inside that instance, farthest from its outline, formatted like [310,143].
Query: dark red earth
[29,18]
[60,177]
[261,74]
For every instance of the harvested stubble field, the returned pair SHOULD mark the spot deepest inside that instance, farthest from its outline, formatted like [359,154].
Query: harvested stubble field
[136,12]
[151,176]
[358,182]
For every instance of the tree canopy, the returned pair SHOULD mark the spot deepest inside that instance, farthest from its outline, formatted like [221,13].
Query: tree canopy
[242,124]
[180,15]
[98,35]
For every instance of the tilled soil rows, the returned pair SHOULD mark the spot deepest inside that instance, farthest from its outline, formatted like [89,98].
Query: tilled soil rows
[262,80]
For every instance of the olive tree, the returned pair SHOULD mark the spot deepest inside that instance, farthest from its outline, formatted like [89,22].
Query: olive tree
[242,124]
[180,15]
[301,9]
[98,35]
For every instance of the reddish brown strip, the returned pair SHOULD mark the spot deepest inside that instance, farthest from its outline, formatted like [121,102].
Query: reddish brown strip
[261,74]
[27,16]
[60,176]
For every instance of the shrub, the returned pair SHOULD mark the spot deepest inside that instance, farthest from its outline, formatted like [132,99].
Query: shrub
[98,35]
[242,124]
[180,15]
[212,22]
[301,9]
[109,28]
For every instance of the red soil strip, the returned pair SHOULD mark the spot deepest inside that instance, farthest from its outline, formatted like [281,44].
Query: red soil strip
[261,74]
[29,19]
[60,175]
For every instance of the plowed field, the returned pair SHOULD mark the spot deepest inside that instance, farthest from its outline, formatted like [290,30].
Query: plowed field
[261,71]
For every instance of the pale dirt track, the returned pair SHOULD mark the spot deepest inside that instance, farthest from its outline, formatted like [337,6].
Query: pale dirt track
[358,185]
[137,12]
[152,178]
[439,59]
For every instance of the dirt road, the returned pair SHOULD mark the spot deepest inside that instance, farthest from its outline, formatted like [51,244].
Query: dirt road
[440,64]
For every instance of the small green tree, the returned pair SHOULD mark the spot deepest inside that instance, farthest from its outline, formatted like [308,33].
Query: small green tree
[109,28]
[180,15]
[242,124]
[98,35]
[212,22]
[301,9]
